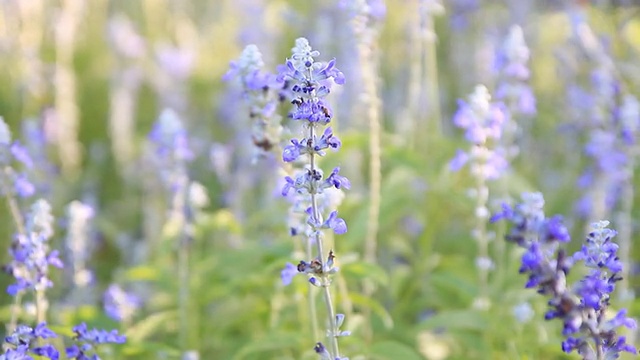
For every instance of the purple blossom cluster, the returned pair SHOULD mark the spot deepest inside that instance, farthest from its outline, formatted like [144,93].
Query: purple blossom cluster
[482,121]
[24,342]
[119,304]
[88,339]
[31,258]
[30,252]
[581,308]
[11,180]
[310,82]
[612,149]
[262,92]
[512,63]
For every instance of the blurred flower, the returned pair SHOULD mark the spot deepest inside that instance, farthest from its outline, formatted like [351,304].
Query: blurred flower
[523,312]
[120,305]
[261,92]
[124,37]
[30,252]
[14,180]
[483,122]
[78,240]
[176,62]
[581,308]
[288,273]
[24,340]
[88,340]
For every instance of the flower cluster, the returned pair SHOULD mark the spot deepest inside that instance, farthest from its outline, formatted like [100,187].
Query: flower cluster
[30,252]
[170,142]
[24,341]
[581,308]
[483,123]
[262,92]
[310,83]
[120,305]
[87,341]
[11,180]
[613,149]
[513,88]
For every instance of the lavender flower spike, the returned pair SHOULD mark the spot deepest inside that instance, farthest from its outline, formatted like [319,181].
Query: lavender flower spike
[30,252]
[582,307]
[311,82]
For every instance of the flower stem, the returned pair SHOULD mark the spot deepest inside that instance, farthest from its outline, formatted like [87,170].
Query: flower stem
[14,209]
[325,283]
[480,234]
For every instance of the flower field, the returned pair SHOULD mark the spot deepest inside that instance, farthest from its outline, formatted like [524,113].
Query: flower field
[334,180]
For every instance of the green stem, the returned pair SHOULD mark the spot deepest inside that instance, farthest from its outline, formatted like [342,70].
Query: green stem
[325,282]
[480,234]
[315,329]
[431,79]
[14,209]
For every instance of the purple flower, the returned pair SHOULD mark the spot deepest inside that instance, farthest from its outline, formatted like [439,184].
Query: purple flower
[21,154]
[97,336]
[337,181]
[24,340]
[483,123]
[292,152]
[327,140]
[309,82]
[581,308]
[261,93]
[338,225]
[459,160]
[288,273]
[30,252]
[120,305]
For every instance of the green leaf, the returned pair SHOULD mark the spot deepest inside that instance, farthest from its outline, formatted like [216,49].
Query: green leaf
[376,308]
[456,320]
[393,350]
[142,273]
[362,270]
[278,341]
[146,327]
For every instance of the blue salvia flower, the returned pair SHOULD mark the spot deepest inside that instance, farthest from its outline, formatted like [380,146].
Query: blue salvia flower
[482,121]
[171,151]
[261,92]
[23,342]
[612,146]
[30,252]
[12,180]
[87,340]
[36,142]
[581,308]
[461,11]
[310,82]
[513,88]
[119,304]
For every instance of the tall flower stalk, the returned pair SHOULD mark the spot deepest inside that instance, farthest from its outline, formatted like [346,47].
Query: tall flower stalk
[582,308]
[482,121]
[366,16]
[310,84]
[173,155]
[260,91]
[514,90]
